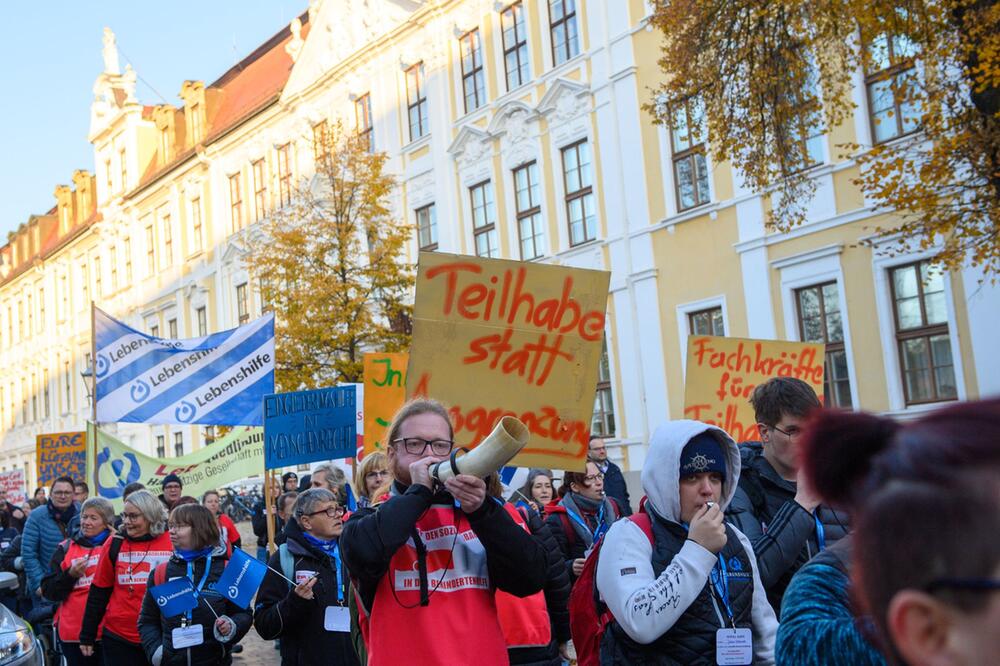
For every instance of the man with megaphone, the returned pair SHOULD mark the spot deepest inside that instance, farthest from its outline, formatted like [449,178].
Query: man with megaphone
[426,562]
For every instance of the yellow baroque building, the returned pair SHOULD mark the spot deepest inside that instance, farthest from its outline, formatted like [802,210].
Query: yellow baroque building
[516,131]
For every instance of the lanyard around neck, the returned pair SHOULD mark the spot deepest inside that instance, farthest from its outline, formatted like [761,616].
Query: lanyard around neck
[204,578]
[598,530]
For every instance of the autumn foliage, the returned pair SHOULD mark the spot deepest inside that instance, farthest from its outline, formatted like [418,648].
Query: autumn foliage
[331,265]
[772,75]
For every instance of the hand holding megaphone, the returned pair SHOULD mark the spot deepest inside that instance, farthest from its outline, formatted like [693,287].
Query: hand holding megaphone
[506,441]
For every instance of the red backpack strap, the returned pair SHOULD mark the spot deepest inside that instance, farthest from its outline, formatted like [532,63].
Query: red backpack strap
[644,523]
[568,529]
[160,574]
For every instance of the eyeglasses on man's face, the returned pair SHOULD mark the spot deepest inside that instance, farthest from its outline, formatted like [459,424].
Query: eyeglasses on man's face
[416,446]
[330,511]
[792,433]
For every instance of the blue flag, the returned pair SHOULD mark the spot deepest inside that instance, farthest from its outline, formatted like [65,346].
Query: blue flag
[217,379]
[241,579]
[175,596]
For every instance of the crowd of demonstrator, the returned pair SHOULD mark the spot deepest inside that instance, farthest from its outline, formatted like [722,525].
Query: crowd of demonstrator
[808,547]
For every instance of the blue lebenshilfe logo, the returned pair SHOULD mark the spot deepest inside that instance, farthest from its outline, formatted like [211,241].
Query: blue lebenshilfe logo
[139,391]
[117,467]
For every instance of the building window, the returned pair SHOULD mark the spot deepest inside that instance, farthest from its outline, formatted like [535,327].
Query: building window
[168,241]
[178,443]
[202,316]
[809,132]
[45,394]
[161,448]
[195,123]
[820,321]
[529,211]
[30,324]
[579,193]
[416,101]
[891,81]
[473,86]
[687,132]
[123,164]
[259,189]
[284,175]
[242,306]
[68,381]
[172,328]
[154,330]
[264,289]
[427,230]
[34,398]
[706,322]
[928,370]
[114,269]
[515,46]
[84,286]
[363,121]
[165,144]
[98,283]
[484,220]
[196,239]
[236,202]
[562,26]
[41,309]
[109,179]
[321,143]
[24,400]
[128,260]
[603,423]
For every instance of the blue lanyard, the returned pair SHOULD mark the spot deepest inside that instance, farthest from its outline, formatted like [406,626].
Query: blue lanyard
[720,581]
[820,531]
[598,531]
[204,578]
[340,581]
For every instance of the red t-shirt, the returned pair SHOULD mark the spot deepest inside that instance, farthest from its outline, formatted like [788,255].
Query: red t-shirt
[127,580]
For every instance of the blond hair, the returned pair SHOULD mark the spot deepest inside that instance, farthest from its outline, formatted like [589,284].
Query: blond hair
[372,462]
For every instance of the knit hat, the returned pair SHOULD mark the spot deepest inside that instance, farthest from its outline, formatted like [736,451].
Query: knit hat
[172,478]
[288,475]
[701,454]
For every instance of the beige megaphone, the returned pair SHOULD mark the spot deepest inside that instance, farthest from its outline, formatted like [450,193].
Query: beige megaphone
[507,439]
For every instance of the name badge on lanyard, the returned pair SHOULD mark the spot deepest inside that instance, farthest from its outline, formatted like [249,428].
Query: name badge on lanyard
[733,647]
[184,637]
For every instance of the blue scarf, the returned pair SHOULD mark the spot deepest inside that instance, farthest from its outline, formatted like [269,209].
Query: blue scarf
[328,547]
[99,538]
[192,555]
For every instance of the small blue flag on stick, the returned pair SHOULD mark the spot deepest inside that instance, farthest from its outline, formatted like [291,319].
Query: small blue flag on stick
[241,579]
[175,596]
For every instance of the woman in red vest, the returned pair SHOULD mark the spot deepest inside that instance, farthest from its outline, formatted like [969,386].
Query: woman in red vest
[427,562]
[126,560]
[71,572]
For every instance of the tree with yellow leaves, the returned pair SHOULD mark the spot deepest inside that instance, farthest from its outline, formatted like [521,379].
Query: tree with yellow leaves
[332,267]
[772,76]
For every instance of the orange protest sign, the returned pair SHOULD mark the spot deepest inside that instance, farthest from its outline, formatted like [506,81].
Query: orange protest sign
[385,393]
[493,337]
[722,373]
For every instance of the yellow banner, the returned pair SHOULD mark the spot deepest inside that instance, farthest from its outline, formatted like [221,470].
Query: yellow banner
[493,337]
[385,393]
[60,454]
[722,373]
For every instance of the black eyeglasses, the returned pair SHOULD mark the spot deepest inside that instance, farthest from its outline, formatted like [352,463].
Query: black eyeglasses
[790,434]
[331,512]
[417,445]
[972,584]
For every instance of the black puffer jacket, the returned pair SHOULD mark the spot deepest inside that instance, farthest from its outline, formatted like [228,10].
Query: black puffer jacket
[782,532]
[156,631]
[298,622]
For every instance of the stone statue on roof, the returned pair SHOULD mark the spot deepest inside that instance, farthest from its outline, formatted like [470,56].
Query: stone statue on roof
[110,52]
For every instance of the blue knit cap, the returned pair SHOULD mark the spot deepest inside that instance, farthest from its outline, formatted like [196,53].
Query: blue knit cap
[702,453]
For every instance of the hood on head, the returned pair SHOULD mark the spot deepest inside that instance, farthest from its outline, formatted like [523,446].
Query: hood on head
[661,471]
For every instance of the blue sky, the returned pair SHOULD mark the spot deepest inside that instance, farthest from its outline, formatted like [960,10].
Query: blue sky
[51,55]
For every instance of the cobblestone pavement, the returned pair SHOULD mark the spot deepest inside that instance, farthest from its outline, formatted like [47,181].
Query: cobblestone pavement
[256,651]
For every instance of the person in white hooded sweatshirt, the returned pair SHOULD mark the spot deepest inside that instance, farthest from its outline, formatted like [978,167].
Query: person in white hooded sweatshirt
[693,595]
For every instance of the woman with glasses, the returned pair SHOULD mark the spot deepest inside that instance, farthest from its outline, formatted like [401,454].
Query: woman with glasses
[311,618]
[371,476]
[216,623]
[71,572]
[926,553]
[126,561]
[581,517]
